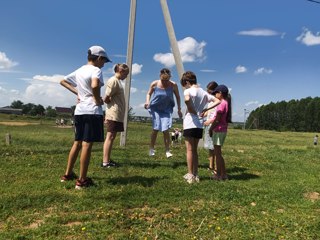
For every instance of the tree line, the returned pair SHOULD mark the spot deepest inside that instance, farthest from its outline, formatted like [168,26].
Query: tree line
[295,115]
[33,109]
[38,110]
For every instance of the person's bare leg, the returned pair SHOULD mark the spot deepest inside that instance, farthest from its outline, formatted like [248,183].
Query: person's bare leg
[154,134]
[166,139]
[195,156]
[211,160]
[219,159]
[73,155]
[85,159]
[107,146]
[188,142]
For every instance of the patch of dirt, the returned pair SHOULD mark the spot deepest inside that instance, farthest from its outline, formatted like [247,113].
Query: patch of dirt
[18,123]
[69,224]
[313,196]
[35,224]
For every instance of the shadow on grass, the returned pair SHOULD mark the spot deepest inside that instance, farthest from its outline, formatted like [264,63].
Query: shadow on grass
[161,163]
[143,181]
[243,176]
[237,173]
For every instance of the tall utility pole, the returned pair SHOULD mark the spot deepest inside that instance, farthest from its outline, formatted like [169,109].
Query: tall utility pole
[132,21]
[175,50]
[172,38]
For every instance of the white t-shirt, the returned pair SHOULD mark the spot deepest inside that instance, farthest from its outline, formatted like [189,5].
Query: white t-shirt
[199,99]
[81,79]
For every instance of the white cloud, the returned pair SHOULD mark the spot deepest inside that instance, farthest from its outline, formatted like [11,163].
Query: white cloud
[241,69]
[136,68]
[308,38]
[5,62]
[54,78]
[252,103]
[208,70]
[133,90]
[263,71]
[48,93]
[261,32]
[41,89]
[119,55]
[190,51]
[8,96]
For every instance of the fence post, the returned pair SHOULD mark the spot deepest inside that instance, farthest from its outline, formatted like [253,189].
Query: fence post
[8,138]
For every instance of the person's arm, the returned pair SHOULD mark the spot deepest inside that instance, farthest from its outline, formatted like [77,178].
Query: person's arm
[215,101]
[176,93]
[107,99]
[111,87]
[68,86]
[215,122]
[95,85]
[189,105]
[149,93]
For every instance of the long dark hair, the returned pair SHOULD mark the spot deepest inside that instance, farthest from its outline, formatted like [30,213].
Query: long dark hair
[211,86]
[229,113]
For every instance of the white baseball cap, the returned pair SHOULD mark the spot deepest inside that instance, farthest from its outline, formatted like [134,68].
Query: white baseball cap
[99,51]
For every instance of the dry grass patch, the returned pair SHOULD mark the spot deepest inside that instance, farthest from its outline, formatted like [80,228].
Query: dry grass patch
[18,123]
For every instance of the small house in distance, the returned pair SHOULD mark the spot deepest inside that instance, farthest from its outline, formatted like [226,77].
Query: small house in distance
[64,111]
[9,110]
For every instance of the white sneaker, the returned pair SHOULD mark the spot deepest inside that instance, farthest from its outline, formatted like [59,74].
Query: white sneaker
[168,154]
[152,152]
[189,178]
[196,178]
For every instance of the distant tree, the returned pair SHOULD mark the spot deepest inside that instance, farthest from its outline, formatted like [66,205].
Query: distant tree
[39,110]
[130,113]
[26,108]
[17,104]
[295,115]
[50,112]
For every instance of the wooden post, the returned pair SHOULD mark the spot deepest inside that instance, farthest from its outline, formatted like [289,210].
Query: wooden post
[132,21]
[8,138]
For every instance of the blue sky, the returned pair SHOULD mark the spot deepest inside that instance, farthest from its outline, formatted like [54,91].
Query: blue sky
[264,51]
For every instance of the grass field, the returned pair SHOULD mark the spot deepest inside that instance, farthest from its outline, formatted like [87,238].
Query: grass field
[273,191]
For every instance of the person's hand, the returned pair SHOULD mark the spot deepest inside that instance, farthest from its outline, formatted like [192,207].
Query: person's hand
[207,123]
[146,105]
[99,102]
[107,99]
[179,113]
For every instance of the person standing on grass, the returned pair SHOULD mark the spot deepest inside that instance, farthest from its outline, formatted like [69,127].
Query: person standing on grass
[315,140]
[209,114]
[115,111]
[219,127]
[160,104]
[86,83]
[196,99]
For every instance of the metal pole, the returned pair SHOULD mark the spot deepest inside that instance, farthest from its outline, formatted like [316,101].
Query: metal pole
[244,119]
[132,20]
[172,38]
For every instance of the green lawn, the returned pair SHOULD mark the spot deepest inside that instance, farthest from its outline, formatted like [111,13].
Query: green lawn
[272,192]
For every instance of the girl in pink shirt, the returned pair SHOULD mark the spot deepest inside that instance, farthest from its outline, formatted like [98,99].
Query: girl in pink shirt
[218,129]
